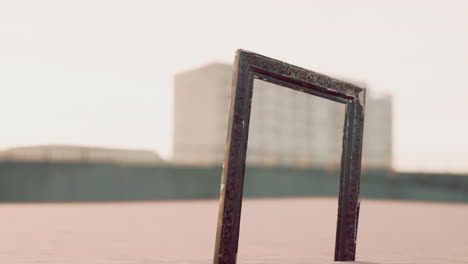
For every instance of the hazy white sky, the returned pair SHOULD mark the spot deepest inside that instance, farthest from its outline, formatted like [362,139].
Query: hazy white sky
[100,72]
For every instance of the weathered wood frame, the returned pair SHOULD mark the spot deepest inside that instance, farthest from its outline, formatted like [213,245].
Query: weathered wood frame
[247,66]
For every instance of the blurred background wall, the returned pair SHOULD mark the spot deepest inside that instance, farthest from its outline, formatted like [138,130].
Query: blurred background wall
[72,181]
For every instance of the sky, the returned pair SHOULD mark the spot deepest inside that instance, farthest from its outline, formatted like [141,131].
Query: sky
[101,72]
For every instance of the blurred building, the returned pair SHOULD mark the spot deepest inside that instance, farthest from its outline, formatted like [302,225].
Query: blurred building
[287,127]
[65,153]
[377,145]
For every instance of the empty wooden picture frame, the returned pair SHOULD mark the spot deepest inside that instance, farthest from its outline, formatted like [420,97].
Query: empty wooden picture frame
[247,67]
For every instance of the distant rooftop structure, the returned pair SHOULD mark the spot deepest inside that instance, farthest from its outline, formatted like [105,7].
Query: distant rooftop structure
[80,154]
[287,128]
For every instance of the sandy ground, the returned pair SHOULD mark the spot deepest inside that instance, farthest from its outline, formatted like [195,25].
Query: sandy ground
[298,230]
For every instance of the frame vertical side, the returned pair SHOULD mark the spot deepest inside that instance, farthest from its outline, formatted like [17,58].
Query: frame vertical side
[232,179]
[348,205]
[343,192]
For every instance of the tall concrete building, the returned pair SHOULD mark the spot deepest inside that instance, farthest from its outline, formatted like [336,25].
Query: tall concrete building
[287,127]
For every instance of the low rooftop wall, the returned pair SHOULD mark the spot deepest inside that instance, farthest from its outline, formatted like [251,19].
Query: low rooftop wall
[57,182]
